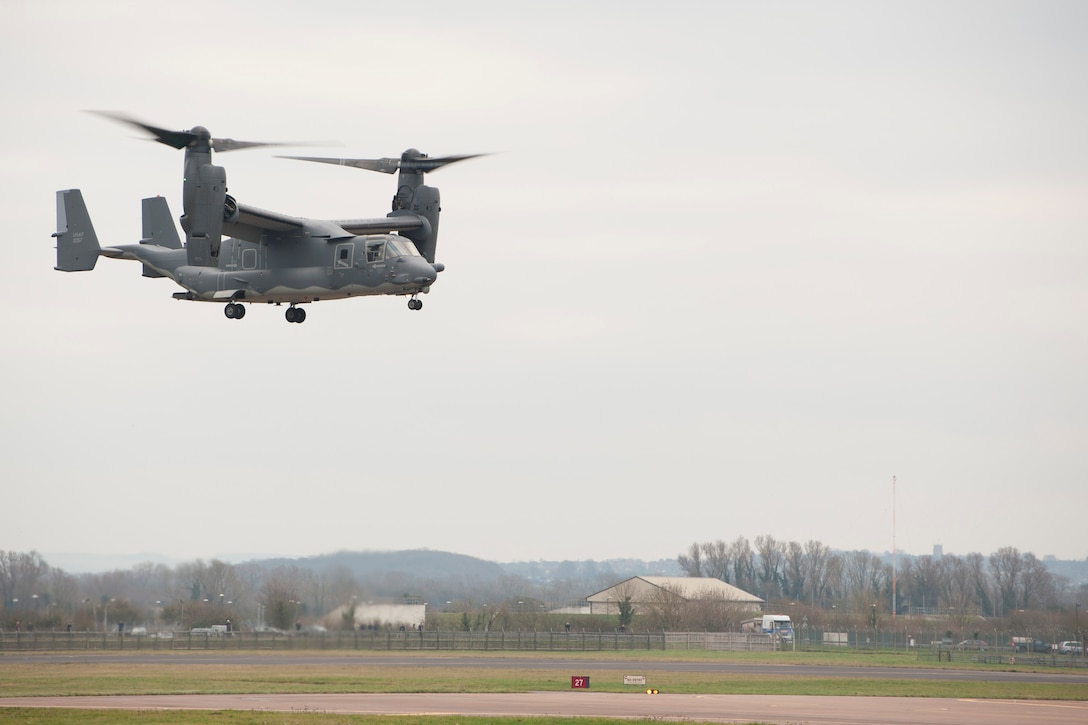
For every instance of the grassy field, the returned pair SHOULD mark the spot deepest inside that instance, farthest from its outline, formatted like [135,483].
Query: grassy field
[29,716]
[28,676]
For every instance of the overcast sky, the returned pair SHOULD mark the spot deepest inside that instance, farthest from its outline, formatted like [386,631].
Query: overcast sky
[730,268]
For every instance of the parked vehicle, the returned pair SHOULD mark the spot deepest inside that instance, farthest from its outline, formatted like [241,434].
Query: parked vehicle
[979,644]
[1070,647]
[778,625]
[1027,644]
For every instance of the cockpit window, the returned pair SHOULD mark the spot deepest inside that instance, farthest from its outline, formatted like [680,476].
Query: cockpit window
[389,248]
[401,248]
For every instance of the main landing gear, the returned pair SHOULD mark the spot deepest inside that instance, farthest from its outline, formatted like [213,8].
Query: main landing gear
[295,314]
[234,311]
[414,304]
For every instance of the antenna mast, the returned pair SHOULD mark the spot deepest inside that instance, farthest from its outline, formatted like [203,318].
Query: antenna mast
[895,553]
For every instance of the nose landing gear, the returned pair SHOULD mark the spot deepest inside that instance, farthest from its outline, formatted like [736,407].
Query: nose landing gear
[295,314]
[415,304]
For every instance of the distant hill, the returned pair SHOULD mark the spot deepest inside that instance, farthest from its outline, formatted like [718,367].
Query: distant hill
[609,570]
[439,576]
[416,564]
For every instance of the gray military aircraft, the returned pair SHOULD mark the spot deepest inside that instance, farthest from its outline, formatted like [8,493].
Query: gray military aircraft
[269,257]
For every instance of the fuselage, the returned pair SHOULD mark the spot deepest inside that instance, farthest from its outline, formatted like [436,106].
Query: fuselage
[292,268]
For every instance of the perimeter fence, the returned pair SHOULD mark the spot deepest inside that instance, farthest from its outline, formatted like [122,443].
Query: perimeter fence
[529,641]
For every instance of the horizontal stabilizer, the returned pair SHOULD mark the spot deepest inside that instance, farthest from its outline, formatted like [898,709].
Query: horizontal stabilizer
[77,244]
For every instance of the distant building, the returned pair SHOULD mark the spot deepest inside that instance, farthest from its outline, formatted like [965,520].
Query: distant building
[938,551]
[644,590]
[379,615]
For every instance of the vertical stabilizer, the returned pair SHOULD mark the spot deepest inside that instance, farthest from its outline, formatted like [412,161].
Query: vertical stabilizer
[158,229]
[77,244]
[158,225]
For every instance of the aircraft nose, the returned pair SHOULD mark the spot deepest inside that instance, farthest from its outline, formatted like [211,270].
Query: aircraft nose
[416,271]
[422,272]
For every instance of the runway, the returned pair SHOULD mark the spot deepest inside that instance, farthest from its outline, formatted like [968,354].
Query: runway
[787,710]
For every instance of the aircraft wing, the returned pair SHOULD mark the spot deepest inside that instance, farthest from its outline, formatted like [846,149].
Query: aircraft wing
[252,222]
[384,225]
[270,220]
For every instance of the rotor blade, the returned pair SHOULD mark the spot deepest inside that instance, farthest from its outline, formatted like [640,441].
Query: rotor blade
[387,165]
[229,144]
[428,164]
[181,139]
[177,139]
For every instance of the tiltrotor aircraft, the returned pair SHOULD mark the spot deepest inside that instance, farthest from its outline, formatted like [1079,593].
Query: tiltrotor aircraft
[269,257]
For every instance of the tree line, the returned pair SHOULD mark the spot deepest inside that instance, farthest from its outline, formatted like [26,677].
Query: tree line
[193,594]
[1006,581]
[201,593]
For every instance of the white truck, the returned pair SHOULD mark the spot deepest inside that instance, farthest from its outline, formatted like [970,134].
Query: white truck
[778,625]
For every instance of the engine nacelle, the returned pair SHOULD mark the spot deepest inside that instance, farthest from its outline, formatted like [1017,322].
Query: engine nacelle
[426,204]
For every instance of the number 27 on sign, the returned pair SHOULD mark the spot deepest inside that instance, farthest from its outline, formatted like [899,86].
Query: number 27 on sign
[579,683]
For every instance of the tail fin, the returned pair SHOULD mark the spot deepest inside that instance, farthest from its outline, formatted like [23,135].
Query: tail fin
[158,228]
[77,245]
[158,225]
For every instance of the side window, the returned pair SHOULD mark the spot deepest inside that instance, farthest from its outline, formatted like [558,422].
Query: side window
[375,251]
[342,259]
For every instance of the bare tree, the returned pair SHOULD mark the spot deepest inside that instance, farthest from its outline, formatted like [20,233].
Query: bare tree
[280,596]
[925,582]
[770,566]
[976,566]
[957,591]
[817,569]
[1007,567]
[664,609]
[708,612]
[20,576]
[692,562]
[793,571]
[1038,587]
[718,560]
[744,568]
[866,578]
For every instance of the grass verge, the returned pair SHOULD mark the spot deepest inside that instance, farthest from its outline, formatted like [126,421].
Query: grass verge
[29,679]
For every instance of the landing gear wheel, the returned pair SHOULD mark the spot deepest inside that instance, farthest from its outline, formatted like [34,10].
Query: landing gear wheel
[414,304]
[234,311]
[295,314]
